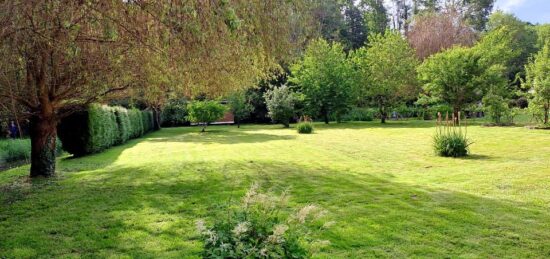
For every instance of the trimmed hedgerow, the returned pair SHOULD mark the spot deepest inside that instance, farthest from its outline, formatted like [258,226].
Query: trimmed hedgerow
[137,122]
[124,126]
[101,126]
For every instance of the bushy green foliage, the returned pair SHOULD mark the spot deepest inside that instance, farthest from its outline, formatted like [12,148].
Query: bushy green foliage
[205,112]
[280,102]
[323,76]
[175,113]
[240,106]
[12,150]
[136,122]
[385,71]
[147,120]
[258,228]
[305,127]
[538,80]
[124,125]
[450,140]
[101,127]
[497,108]
[359,114]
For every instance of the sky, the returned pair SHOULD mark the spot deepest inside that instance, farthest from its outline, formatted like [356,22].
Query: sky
[533,11]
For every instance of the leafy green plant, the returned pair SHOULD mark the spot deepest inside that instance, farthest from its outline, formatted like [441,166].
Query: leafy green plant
[205,112]
[175,113]
[359,114]
[497,109]
[258,228]
[450,139]
[305,125]
[240,106]
[280,102]
[12,150]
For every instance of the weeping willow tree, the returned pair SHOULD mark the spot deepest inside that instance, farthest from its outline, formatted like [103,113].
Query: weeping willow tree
[59,56]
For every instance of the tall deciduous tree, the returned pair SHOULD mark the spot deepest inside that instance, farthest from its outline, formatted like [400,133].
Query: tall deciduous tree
[459,76]
[375,15]
[538,79]
[60,55]
[354,33]
[507,31]
[434,32]
[386,70]
[323,76]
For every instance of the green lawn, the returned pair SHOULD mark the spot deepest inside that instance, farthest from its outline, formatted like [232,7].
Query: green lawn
[382,185]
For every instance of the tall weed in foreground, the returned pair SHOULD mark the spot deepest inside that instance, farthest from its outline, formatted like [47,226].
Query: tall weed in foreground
[258,228]
[450,139]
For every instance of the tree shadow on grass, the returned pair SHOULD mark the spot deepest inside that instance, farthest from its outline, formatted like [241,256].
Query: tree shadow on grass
[221,137]
[141,212]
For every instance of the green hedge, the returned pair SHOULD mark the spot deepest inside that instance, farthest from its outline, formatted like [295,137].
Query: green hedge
[101,126]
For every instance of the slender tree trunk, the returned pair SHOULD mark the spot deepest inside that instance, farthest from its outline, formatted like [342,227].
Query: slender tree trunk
[156,117]
[546,111]
[325,115]
[238,124]
[43,131]
[382,112]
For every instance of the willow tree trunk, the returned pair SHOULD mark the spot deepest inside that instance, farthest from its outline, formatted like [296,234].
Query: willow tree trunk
[43,131]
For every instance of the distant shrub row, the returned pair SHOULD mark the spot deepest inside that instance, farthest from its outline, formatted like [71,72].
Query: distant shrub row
[12,150]
[102,126]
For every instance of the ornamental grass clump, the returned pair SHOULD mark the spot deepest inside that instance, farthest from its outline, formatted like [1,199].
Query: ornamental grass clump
[258,227]
[305,125]
[450,139]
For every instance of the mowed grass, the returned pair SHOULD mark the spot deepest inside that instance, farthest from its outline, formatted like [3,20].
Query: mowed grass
[382,185]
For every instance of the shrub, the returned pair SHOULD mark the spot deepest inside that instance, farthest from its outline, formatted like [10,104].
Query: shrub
[101,126]
[497,108]
[175,113]
[359,114]
[240,106]
[12,150]
[136,121]
[124,126]
[205,112]
[257,228]
[305,125]
[450,140]
[280,102]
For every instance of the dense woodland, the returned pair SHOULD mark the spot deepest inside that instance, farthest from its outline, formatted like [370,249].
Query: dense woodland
[269,60]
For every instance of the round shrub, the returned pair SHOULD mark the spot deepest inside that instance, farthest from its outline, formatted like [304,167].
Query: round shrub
[305,127]
[451,145]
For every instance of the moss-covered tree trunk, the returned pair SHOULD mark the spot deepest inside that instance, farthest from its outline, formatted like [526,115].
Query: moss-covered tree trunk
[43,131]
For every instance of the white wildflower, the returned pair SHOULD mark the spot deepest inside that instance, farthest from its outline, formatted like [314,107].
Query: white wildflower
[328,224]
[241,228]
[201,226]
[302,215]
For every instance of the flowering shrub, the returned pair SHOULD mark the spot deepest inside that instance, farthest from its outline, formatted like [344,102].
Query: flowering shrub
[450,139]
[257,228]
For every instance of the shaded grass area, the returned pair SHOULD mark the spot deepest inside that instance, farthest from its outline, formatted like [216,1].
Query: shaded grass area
[382,185]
